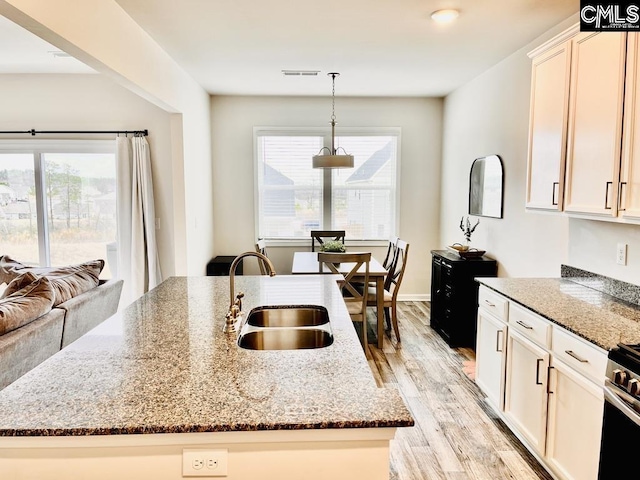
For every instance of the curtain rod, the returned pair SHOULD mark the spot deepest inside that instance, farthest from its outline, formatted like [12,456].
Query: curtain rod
[83,132]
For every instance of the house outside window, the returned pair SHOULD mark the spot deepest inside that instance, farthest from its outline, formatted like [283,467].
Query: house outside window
[292,198]
[58,201]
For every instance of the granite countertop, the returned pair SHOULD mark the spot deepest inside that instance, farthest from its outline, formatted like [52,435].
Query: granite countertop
[595,316]
[164,365]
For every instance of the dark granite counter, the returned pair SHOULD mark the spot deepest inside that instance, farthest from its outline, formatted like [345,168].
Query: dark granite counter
[164,365]
[591,314]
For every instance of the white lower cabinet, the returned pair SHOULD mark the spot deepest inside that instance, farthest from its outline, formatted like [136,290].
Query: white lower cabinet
[490,359]
[575,424]
[525,402]
[546,383]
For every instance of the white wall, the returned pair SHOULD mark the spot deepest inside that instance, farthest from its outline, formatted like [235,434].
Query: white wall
[233,119]
[91,102]
[101,34]
[490,115]
[593,244]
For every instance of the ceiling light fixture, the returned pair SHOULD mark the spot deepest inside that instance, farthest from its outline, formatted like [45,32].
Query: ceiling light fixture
[333,159]
[446,15]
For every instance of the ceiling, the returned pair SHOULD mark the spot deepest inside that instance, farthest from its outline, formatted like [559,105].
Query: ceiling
[380,47]
[22,52]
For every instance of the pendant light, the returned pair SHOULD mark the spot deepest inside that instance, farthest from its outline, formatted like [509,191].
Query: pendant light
[333,159]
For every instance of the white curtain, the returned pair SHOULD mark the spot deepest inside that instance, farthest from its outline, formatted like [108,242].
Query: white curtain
[138,262]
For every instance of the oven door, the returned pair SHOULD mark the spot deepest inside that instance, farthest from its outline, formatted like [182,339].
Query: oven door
[620,431]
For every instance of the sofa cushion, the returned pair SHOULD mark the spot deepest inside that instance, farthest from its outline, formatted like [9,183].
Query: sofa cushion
[25,305]
[67,282]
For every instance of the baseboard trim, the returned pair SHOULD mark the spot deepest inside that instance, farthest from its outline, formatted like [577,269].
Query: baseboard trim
[414,297]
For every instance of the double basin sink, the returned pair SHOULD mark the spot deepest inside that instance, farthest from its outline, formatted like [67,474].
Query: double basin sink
[286,328]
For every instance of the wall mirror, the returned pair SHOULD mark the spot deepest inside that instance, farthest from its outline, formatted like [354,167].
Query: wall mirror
[485,187]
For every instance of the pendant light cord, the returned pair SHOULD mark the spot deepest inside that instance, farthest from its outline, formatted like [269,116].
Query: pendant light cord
[333,97]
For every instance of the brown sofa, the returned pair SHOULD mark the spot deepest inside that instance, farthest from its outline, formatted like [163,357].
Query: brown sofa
[26,347]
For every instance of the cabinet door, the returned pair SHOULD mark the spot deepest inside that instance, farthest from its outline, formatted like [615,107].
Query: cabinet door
[630,173]
[595,123]
[548,128]
[437,301]
[525,402]
[575,424]
[490,357]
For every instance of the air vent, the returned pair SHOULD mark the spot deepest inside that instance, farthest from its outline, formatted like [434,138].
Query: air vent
[300,73]
[59,54]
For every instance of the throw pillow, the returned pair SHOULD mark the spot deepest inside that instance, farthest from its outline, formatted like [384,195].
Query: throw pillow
[19,283]
[26,305]
[9,268]
[67,282]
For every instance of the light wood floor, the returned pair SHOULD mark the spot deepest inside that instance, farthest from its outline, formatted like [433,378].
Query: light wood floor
[456,436]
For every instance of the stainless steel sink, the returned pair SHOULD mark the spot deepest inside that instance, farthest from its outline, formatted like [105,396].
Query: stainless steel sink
[285,339]
[299,316]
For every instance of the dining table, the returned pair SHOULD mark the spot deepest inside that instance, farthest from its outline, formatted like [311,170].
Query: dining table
[306,263]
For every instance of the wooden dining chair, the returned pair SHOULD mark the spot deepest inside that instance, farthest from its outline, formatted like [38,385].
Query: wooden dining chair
[355,299]
[320,236]
[261,247]
[392,286]
[391,252]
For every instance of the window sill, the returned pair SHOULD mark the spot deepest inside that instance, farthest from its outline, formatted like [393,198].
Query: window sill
[297,243]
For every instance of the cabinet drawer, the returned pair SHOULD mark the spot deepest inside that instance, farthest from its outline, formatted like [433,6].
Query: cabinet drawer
[494,303]
[531,325]
[579,354]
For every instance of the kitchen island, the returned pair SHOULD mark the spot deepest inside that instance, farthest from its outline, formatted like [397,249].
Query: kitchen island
[161,376]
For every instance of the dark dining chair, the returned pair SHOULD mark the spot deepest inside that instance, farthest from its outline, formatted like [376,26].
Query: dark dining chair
[320,236]
[392,286]
[355,299]
[261,247]
[391,252]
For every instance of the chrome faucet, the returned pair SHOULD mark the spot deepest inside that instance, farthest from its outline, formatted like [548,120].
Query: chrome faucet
[235,301]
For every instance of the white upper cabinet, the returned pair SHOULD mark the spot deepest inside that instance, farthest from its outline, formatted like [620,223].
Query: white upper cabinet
[595,123]
[630,172]
[584,126]
[548,127]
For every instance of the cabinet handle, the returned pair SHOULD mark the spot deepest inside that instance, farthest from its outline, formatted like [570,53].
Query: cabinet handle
[538,382]
[489,303]
[621,197]
[606,196]
[528,327]
[553,193]
[578,358]
[446,265]
[549,379]
[498,342]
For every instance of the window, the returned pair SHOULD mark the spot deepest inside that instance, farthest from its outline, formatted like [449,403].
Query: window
[57,201]
[293,198]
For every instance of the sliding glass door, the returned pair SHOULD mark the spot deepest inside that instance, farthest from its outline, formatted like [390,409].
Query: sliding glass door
[58,204]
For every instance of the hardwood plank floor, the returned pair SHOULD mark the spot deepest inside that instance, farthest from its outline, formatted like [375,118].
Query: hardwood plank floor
[456,436]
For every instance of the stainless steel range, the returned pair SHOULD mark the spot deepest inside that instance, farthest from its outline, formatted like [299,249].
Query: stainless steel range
[621,426]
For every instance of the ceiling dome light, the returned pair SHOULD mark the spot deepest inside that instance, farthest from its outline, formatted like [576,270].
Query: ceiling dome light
[447,15]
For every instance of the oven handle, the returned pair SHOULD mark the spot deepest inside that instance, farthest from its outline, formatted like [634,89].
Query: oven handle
[615,398]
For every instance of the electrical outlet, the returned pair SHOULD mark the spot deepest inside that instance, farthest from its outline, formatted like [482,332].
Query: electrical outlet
[621,254]
[204,463]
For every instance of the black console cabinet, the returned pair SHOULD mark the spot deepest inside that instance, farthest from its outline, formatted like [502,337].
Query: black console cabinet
[220,266]
[454,295]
